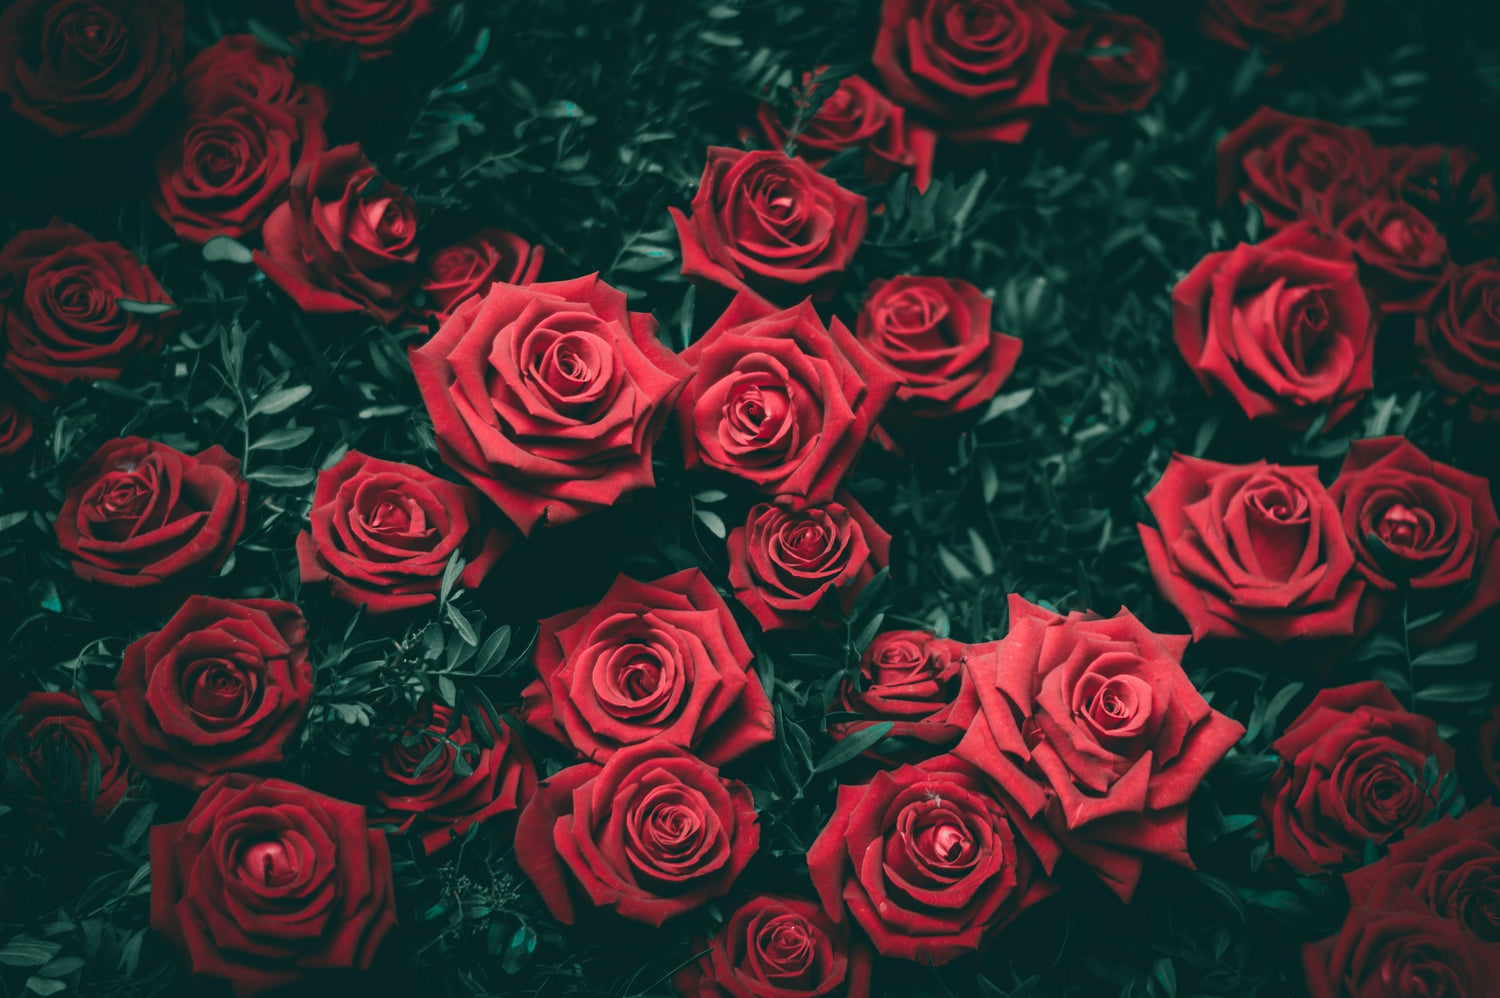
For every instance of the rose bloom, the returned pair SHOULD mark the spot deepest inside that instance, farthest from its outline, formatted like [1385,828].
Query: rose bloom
[1402,256]
[59,311]
[1459,342]
[53,746]
[1094,81]
[1379,953]
[1351,774]
[265,883]
[912,679]
[91,68]
[15,427]
[658,661]
[241,65]
[381,534]
[1251,551]
[1243,23]
[548,398]
[467,268]
[1447,183]
[653,833]
[1292,167]
[371,26]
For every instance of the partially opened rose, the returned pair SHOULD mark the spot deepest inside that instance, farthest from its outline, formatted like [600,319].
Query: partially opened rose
[1110,64]
[1459,342]
[1378,953]
[1403,258]
[242,65]
[468,267]
[912,679]
[1293,168]
[1243,23]
[54,745]
[372,27]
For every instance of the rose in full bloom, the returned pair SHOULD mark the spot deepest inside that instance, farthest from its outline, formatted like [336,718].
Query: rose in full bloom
[139,514]
[1378,953]
[241,65]
[219,689]
[1094,719]
[15,427]
[1448,183]
[345,240]
[548,397]
[931,860]
[780,400]
[1251,551]
[265,883]
[1403,258]
[52,748]
[912,679]
[786,561]
[978,68]
[1243,23]
[468,267]
[1351,774]
[762,222]
[1459,342]
[1293,168]
[371,26]
[1437,527]
[778,947]
[659,661]
[653,833]
[91,68]
[1094,78]
[1283,327]
[381,534]
[480,771]
[59,305]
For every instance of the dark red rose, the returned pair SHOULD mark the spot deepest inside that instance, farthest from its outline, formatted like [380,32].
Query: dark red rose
[912,679]
[91,68]
[1293,168]
[857,116]
[1110,64]
[1437,524]
[441,775]
[778,947]
[53,750]
[139,513]
[780,400]
[59,301]
[1459,342]
[548,397]
[1243,23]
[240,65]
[1251,551]
[1092,721]
[1447,183]
[371,26]
[219,689]
[762,222]
[1489,747]
[1351,774]
[653,833]
[978,68]
[345,240]
[931,860]
[15,427]
[467,268]
[265,883]
[659,662]
[381,534]
[786,561]
[1378,954]
[1403,258]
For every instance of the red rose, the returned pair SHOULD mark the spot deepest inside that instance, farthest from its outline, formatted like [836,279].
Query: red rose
[382,533]
[660,662]
[1243,23]
[1446,182]
[785,561]
[1379,953]
[15,427]
[467,268]
[54,747]
[1460,341]
[1293,168]
[1401,253]
[1109,64]
[549,397]
[778,947]
[979,68]
[762,222]
[1283,327]
[652,833]
[345,240]
[1489,747]
[931,860]
[266,882]
[1350,775]
[239,65]
[139,513]
[371,26]
[912,679]
[91,68]
[1251,551]
[443,774]
[780,400]
[219,689]
[1435,522]
[59,302]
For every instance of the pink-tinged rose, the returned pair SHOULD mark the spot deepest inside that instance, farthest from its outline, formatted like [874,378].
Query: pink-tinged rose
[54,746]
[467,268]
[1109,65]
[1380,953]
[15,427]
[1459,342]
[1448,183]
[373,27]
[1294,168]
[911,679]
[1245,23]
[1403,258]
[242,66]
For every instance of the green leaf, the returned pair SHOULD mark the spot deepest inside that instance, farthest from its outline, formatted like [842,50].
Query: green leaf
[853,746]
[61,967]
[270,38]
[451,573]
[228,250]
[1468,691]
[447,691]
[461,625]
[1459,653]
[280,400]
[45,985]
[144,307]
[139,823]
[11,519]
[284,439]
[1008,402]
[282,476]
[23,951]
[710,496]
[495,647]
[712,521]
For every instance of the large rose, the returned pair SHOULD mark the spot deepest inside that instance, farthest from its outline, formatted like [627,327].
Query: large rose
[1460,341]
[15,427]
[659,661]
[1251,551]
[779,399]
[220,689]
[786,561]
[931,860]
[1094,719]
[240,65]
[912,679]
[1448,183]
[266,882]
[54,747]
[345,240]
[91,68]
[1243,23]
[1109,64]
[764,223]
[60,292]
[371,26]
[653,833]
[1378,954]
[1436,527]
[139,514]
[1283,327]
[978,68]
[548,397]
[778,947]
[467,268]
[381,534]
[1351,774]
[1293,168]
[1402,255]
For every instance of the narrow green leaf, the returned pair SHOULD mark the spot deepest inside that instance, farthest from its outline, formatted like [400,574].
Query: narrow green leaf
[280,400]
[228,250]
[853,746]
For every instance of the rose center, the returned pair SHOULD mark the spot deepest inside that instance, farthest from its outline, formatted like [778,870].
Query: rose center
[757,410]
[1402,527]
[785,945]
[396,515]
[1480,909]
[270,862]
[217,689]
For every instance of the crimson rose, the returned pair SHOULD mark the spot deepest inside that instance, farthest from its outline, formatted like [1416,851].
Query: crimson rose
[1379,953]
[54,746]
[371,26]
[15,427]
[467,268]
[1293,168]
[1460,341]
[1109,64]
[242,66]
[1401,253]
[1243,23]
[912,679]
[1446,182]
